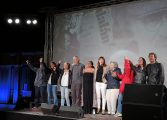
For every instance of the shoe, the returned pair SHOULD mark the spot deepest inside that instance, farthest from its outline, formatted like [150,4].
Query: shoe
[118,115]
[109,113]
[93,112]
[34,108]
[98,110]
[103,112]
[112,113]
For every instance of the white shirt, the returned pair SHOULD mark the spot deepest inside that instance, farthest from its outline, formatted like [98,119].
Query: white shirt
[64,79]
[49,81]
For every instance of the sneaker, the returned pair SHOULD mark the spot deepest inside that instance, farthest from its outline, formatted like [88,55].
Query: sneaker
[118,115]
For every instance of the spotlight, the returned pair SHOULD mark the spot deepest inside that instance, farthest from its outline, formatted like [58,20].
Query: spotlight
[17,21]
[34,22]
[10,21]
[28,22]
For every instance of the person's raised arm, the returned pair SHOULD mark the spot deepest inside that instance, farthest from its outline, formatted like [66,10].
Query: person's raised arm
[127,66]
[30,66]
[58,65]
[42,65]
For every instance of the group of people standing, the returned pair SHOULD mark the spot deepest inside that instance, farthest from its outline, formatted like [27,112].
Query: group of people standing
[93,87]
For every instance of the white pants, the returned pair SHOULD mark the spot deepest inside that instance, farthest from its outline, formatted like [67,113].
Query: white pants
[112,96]
[101,92]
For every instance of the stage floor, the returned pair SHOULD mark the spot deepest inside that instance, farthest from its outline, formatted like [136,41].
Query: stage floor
[86,116]
[100,117]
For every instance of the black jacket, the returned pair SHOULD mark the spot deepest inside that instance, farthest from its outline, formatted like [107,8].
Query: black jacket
[55,75]
[155,74]
[139,75]
[69,78]
[41,74]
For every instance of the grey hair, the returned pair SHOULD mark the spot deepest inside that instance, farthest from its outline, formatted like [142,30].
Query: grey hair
[75,56]
[115,64]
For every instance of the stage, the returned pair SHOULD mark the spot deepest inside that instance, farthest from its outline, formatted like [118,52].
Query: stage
[28,114]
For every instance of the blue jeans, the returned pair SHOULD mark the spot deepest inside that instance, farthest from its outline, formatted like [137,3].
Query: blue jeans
[52,90]
[65,96]
[119,107]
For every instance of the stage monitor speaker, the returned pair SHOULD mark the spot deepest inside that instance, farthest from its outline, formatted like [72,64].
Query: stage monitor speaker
[49,109]
[143,102]
[71,112]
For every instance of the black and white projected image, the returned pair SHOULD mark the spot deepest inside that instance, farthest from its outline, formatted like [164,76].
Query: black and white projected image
[129,29]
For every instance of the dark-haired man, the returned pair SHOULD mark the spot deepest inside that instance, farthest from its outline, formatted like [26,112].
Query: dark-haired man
[40,82]
[154,71]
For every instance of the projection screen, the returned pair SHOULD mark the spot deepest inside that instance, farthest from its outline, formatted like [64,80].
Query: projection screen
[130,29]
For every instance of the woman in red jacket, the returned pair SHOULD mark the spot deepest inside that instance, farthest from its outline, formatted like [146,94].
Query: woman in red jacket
[127,78]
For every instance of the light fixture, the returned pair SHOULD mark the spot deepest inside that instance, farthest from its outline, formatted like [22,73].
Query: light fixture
[17,21]
[28,21]
[9,20]
[34,22]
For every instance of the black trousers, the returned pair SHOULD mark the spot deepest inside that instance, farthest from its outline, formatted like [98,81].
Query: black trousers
[40,95]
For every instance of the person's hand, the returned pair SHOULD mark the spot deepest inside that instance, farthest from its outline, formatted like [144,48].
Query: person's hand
[114,74]
[59,62]
[126,58]
[27,61]
[41,60]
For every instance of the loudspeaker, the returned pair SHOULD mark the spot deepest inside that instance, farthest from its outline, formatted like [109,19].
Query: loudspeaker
[143,102]
[71,111]
[49,109]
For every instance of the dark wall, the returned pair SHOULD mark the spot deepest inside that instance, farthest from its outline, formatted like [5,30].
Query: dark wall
[22,37]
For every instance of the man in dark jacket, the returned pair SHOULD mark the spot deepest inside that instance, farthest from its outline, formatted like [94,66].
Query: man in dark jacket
[40,82]
[154,71]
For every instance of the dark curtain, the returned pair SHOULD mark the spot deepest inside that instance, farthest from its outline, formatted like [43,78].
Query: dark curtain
[26,81]
[9,84]
[16,86]
[49,33]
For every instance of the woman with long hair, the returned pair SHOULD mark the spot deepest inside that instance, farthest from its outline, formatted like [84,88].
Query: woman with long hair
[52,82]
[139,71]
[99,76]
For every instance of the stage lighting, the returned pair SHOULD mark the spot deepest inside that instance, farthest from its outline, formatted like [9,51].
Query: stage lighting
[10,21]
[28,21]
[34,22]
[17,21]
